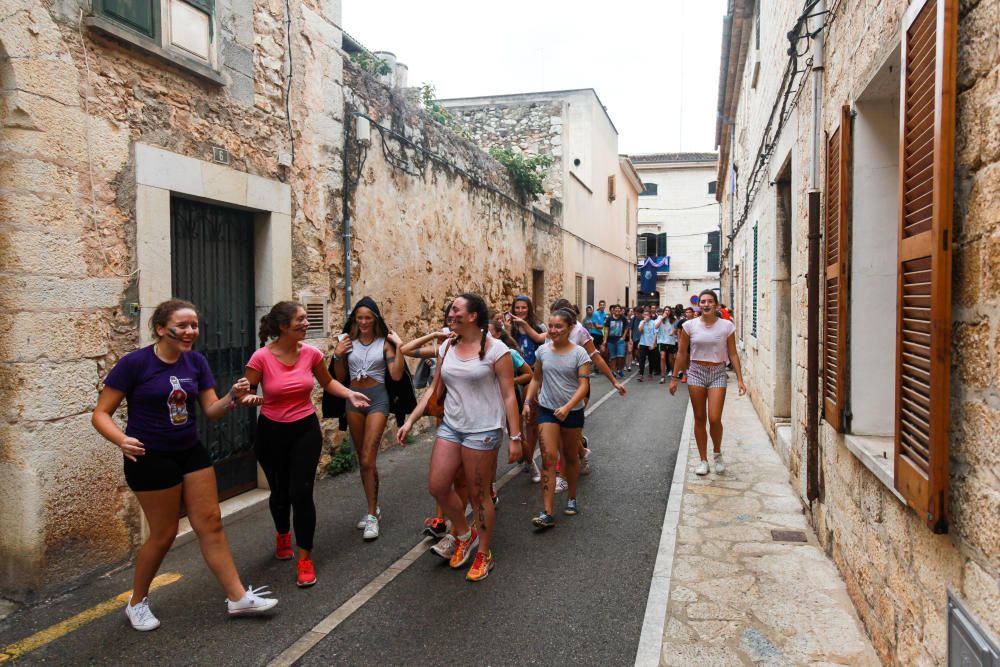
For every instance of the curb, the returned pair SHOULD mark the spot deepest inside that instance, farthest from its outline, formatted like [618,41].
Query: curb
[651,638]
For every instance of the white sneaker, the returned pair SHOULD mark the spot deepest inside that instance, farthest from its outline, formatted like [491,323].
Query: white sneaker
[141,616]
[363,523]
[252,602]
[719,466]
[585,462]
[561,485]
[445,548]
[702,468]
[371,527]
[536,474]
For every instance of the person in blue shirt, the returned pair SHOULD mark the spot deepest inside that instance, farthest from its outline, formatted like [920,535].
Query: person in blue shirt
[597,321]
[617,330]
[647,341]
[666,341]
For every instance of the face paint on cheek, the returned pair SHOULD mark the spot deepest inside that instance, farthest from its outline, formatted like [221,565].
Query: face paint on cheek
[172,333]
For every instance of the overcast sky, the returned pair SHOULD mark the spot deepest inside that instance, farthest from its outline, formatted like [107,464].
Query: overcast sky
[654,63]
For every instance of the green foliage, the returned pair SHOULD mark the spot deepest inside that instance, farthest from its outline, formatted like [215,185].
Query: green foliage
[370,64]
[345,459]
[439,112]
[528,172]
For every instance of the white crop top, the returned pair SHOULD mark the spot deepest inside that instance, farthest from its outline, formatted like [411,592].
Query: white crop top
[709,343]
[367,361]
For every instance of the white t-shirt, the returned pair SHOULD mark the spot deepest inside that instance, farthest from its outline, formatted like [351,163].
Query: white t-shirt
[709,343]
[473,403]
[579,335]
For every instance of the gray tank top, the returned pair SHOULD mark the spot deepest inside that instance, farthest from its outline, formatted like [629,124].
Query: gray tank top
[367,361]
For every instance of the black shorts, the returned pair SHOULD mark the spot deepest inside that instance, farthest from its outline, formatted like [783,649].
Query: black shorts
[667,347]
[598,340]
[155,471]
[574,419]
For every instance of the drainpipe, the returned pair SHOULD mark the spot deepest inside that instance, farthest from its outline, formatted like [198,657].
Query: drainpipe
[812,281]
[346,188]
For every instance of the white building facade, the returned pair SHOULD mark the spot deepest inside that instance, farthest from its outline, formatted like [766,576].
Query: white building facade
[679,219]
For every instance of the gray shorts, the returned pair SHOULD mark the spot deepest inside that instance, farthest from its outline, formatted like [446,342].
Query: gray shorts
[484,441]
[378,399]
[712,377]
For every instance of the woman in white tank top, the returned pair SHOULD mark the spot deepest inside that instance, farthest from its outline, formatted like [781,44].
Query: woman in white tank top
[705,344]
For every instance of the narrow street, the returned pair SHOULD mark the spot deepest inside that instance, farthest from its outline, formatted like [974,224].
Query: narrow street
[576,593]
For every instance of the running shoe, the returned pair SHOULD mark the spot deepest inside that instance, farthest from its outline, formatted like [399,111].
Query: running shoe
[464,549]
[702,468]
[371,527]
[306,573]
[585,461]
[527,466]
[719,466]
[536,474]
[640,379]
[544,520]
[435,527]
[571,507]
[494,497]
[663,380]
[283,546]
[255,600]
[141,616]
[561,485]
[363,523]
[481,566]
[445,548]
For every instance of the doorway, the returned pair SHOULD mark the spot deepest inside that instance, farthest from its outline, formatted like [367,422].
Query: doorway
[212,265]
[783,294]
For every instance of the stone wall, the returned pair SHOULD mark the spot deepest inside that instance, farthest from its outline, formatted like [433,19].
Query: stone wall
[897,571]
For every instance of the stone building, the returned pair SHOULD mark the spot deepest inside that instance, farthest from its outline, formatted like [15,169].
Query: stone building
[679,220]
[858,172]
[594,186]
[197,149]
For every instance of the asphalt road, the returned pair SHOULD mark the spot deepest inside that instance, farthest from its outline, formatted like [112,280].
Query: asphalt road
[574,594]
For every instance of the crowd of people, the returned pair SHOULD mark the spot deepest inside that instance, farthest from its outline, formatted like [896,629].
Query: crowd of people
[491,376]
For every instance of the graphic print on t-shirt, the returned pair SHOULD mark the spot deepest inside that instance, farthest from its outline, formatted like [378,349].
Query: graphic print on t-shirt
[177,402]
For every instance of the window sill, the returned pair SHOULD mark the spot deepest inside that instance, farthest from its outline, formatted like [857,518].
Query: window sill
[875,453]
[123,34]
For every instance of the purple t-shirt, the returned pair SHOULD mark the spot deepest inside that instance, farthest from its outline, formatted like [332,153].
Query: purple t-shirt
[162,398]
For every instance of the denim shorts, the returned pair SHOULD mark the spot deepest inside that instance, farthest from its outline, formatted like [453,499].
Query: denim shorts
[616,349]
[573,420]
[712,377]
[484,441]
[378,400]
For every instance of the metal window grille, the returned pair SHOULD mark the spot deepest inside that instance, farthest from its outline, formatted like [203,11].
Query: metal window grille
[316,313]
[753,321]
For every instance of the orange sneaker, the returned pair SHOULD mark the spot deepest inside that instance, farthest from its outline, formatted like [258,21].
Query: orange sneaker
[283,546]
[480,567]
[464,549]
[307,573]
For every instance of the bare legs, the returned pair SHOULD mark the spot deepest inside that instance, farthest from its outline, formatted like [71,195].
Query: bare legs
[707,406]
[555,441]
[480,467]
[162,509]
[366,431]
[446,461]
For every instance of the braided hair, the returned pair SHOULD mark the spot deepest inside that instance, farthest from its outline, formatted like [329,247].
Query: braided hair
[476,304]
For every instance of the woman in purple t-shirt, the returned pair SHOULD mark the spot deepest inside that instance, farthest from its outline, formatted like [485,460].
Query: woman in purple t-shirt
[165,383]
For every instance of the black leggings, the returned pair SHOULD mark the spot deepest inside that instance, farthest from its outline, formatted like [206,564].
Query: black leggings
[289,453]
[652,354]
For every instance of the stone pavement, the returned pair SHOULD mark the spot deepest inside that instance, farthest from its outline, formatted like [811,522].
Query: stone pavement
[738,596]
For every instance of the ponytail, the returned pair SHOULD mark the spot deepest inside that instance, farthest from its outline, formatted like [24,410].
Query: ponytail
[482,345]
[281,314]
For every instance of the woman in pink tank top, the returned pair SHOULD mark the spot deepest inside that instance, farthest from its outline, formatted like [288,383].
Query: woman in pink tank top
[705,345]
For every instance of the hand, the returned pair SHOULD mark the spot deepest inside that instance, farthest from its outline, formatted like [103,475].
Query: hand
[240,388]
[441,336]
[604,347]
[620,388]
[514,451]
[394,339]
[251,400]
[343,347]
[561,413]
[358,400]
[132,448]
[526,412]
[517,320]
[673,386]
[743,387]
[402,431]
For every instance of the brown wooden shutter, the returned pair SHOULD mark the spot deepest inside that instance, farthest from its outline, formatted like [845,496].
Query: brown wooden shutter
[923,320]
[838,149]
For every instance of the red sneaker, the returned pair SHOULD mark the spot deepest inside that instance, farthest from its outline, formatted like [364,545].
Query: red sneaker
[307,573]
[283,546]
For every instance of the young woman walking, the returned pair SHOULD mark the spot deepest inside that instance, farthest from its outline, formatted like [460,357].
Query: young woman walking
[288,434]
[477,373]
[560,383]
[634,319]
[647,342]
[367,359]
[706,344]
[666,341]
[165,464]
[529,333]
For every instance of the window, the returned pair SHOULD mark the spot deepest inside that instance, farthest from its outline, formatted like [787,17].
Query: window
[590,292]
[578,292]
[640,246]
[661,245]
[171,28]
[652,245]
[714,239]
[712,185]
[611,187]
[753,296]
[649,190]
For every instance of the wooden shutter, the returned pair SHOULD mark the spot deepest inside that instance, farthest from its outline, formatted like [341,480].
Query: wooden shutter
[838,159]
[923,319]
[661,244]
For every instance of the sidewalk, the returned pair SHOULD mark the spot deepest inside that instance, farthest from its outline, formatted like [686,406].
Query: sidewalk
[738,594]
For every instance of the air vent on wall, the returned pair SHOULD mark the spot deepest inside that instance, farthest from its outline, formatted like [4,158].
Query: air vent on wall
[316,311]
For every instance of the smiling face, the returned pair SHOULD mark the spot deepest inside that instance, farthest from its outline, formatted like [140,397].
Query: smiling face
[520,309]
[181,330]
[559,328]
[298,327]
[459,317]
[365,320]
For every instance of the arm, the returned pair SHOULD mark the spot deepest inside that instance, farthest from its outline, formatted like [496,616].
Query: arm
[683,359]
[214,407]
[602,366]
[734,359]
[539,338]
[533,388]
[340,352]
[418,411]
[394,361]
[107,403]
[583,386]
[504,369]
[414,348]
[523,376]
